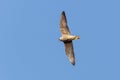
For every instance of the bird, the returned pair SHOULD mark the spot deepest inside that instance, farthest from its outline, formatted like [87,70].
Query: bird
[67,38]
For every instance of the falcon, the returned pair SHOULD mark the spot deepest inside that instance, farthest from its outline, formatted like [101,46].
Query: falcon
[67,38]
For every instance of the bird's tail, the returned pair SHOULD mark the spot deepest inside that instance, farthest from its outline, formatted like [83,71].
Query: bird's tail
[77,37]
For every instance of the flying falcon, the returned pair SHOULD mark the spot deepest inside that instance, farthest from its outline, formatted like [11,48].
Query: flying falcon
[67,38]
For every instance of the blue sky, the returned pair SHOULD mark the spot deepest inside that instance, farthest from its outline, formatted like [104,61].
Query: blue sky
[30,49]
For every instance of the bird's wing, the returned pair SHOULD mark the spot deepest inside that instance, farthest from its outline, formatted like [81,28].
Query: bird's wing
[70,51]
[63,25]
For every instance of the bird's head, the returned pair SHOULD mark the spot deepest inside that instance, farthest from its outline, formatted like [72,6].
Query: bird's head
[60,38]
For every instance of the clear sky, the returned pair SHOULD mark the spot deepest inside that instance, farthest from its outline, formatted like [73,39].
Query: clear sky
[29,45]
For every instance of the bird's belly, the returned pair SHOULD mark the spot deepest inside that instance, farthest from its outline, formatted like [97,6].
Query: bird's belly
[67,38]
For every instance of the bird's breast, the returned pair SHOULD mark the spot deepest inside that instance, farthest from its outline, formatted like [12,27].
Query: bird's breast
[67,38]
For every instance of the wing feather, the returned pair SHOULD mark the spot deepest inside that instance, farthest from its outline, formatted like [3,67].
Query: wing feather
[70,51]
[63,25]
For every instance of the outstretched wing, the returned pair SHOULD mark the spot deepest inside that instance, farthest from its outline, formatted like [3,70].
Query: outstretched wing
[63,24]
[70,51]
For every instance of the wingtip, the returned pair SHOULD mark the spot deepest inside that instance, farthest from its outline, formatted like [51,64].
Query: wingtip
[63,12]
[72,60]
[73,63]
